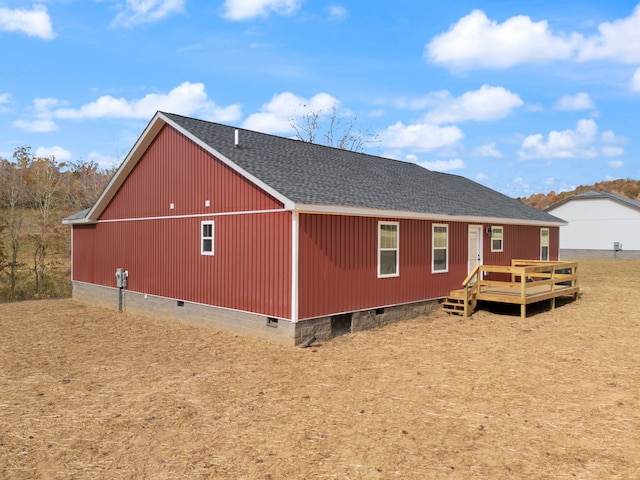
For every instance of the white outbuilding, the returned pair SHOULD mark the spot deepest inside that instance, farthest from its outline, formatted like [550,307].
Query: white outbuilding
[600,225]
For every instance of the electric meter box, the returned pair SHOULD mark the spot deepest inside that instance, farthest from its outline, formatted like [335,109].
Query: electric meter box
[121,278]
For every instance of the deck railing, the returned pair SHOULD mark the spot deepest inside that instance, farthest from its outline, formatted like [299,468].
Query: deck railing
[529,281]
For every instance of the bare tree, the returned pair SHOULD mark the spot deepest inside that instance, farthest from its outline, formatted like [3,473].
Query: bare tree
[45,183]
[13,198]
[336,131]
[85,182]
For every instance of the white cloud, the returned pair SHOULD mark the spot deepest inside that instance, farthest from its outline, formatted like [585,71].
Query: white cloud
[579,101]
[610,137]
[247,9]
[488,150]
[520,183]
[337,13]
[582,142]
[36,126]
[487,103]
[59,153]
[276,116]
[616,163]
[185,99]
[103,161]
[481,177]
[617,41]
[35,22]
[444,165]
[476,41]
[137,12]
[634,85]
[42,122]
[421,137]
[5,98]
[612,142]
[612,151]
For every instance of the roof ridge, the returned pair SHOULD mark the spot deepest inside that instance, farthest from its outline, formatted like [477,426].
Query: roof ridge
[296,140]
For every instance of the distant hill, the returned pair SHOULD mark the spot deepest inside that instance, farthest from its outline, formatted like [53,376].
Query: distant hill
[625,188]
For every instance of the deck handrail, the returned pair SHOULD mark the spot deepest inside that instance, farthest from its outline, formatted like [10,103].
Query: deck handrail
[473,273]
[522,272]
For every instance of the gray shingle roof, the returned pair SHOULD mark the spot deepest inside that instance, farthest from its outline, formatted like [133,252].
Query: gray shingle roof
[590,194]
[313,174]
[76,216]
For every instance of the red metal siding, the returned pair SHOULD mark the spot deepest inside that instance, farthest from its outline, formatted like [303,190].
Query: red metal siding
[338,262]
[250,271]
[519,242]
[83,252]
[554,243]
[338,265]
[174,170]
[251,268]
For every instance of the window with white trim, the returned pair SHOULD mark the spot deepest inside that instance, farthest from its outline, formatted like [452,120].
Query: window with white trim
[496,239]
[206,237]
[388,252]
[440,248]
[544,244]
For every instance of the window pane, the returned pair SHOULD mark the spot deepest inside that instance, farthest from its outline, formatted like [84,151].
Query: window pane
[544,254]
[496,232]
[207,230]
[388,262]
[496,244]
[207,245]
[439,259]
[544,237]
[388,236]
[439,237]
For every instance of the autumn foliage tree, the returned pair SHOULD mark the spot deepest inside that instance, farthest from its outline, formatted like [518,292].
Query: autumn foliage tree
[36,193]
[624,187]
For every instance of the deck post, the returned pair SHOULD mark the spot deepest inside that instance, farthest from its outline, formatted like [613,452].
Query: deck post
[553,287]
[466,301]
[523,293]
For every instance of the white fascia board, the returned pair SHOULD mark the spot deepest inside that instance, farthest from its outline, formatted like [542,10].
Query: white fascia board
[125,168]
[288,204]
[370,212]
[138,150]
[79,221]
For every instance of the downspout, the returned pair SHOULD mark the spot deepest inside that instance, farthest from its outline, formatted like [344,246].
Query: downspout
[294,264]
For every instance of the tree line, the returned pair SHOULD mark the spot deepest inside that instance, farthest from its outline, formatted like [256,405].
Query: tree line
[628,188]
[36,193]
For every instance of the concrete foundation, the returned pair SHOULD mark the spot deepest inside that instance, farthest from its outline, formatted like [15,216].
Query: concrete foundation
[575,254]
[244,323]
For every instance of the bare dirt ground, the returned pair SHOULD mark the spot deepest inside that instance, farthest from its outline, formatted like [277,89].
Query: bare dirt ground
[90,393]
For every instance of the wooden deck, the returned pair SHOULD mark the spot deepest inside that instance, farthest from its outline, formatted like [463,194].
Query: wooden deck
[530,281]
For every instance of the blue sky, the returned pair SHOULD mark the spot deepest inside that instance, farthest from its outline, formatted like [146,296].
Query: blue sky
[524,97]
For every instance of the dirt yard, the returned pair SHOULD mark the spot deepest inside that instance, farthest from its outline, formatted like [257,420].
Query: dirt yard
[90,393]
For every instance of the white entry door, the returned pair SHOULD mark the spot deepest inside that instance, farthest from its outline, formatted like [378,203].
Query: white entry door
[475,246]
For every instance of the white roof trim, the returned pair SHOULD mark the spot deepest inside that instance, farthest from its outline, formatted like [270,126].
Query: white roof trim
[136,153]
[159,120]
[371,212]
[288,204]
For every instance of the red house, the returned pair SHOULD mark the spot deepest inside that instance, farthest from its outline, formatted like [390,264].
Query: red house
[287,239]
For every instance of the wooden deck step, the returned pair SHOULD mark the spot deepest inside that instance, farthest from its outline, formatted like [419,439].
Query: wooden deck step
[453,305]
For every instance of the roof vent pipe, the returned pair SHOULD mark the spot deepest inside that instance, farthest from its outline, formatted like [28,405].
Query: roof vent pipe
[237,138]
